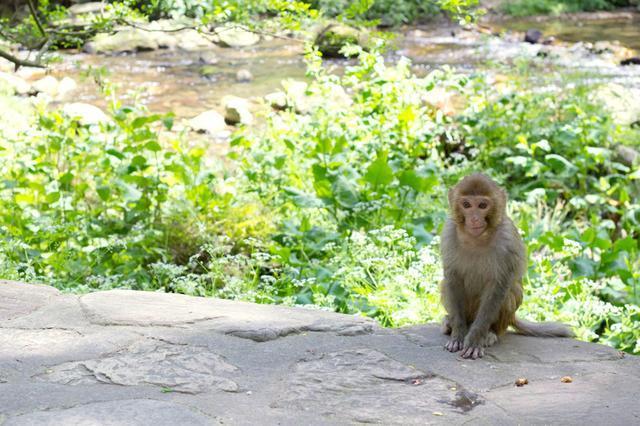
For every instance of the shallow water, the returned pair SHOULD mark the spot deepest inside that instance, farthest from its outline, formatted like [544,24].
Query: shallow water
[171,81]
[626,31]
[167,80]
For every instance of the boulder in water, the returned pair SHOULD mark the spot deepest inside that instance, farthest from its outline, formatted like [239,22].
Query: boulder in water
[86,114]
[334,36]
[236,110]
[210,122]
[244,76]
[634,60]
[533,36]
[14,84]
[236,36]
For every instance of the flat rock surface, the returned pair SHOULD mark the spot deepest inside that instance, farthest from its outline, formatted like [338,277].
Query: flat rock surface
[137,358]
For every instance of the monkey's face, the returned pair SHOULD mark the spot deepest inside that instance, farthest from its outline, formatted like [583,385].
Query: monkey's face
[475,209]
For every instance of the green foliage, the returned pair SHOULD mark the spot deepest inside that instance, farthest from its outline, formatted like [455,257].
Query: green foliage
[80,203]
[393,13]
[558,144]
[555,7]
[336,201]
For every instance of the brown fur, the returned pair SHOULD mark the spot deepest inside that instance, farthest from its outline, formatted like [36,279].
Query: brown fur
[482,286]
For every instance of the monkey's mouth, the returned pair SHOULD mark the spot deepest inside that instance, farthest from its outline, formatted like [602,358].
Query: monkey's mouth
[476,230]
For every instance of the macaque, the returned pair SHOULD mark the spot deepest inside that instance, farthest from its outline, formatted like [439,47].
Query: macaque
[484,260]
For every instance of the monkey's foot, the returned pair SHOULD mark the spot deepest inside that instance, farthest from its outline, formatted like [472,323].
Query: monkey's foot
[454,345]
[472,352]
[490,339]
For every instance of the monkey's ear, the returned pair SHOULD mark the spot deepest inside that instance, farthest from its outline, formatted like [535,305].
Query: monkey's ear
[451,196]
[505,196]
[502,200]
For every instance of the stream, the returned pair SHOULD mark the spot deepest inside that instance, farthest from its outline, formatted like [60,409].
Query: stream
[170,80]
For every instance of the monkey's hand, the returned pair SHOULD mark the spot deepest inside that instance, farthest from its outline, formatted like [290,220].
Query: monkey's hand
[473,346]
[454,345]
[456,341]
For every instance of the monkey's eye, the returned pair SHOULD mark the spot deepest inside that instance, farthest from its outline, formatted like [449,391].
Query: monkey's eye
[466,204]
[482,205]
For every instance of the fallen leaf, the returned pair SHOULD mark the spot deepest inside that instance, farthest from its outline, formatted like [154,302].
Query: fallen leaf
[521,381]
[566,379]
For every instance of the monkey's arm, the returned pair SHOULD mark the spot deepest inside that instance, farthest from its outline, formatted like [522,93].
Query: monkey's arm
[453,298]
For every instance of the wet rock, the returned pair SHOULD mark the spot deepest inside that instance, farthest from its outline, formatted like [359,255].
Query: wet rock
[277,100]
[334,36]
[296,94]
[621,102]
[187,369]
[208,58]
[236,110]
[126,40]
[303,98]
[533,36]
[635,60]
[210,122]
[16,116]
[144,412]
[66,86]
[92,7]
[30,73]
[83,14]
[191,40]
[244,76]
[86,114]
[47,85]
[236,36]
[627,155]
[14,84]
[610,48]
[5,65]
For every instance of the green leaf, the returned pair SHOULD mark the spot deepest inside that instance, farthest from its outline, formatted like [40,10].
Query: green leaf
[153,146]
[119,155]
[379,173]
[66,179]
[141,121]
[628,244]
[139,162]
[518,160]
[559,164]
[302,199]
[52,197]
[167,120]
[104,192]
[417,182]
[344,192]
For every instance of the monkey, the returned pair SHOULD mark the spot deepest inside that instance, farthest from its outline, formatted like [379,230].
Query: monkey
[484,260]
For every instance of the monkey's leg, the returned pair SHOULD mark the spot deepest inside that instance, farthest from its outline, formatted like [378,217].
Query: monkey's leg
[453,296]
[446,326]
[490,308]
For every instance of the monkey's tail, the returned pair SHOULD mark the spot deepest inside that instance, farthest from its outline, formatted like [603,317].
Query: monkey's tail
[542,329]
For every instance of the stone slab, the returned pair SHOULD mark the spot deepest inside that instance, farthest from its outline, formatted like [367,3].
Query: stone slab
[125,357]
[18,299]
[116,413]
[246,320]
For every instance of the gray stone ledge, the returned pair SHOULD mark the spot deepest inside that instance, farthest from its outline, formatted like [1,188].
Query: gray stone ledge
[126,357]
